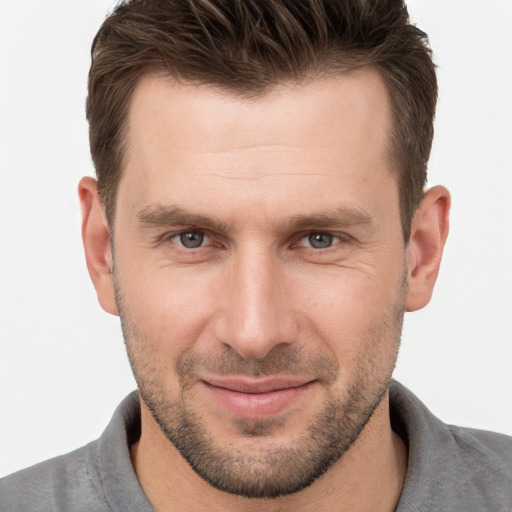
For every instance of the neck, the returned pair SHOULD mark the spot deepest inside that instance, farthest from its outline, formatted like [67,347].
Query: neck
[368,477]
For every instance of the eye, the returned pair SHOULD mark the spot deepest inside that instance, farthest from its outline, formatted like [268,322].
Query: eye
[320,240]
[189,239]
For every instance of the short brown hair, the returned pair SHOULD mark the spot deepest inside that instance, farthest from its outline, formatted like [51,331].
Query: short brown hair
[248,46]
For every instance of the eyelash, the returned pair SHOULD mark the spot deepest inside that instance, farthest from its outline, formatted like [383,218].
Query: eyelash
[339,238]
[179,234]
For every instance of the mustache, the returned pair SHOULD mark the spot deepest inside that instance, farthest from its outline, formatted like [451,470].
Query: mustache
[281,360]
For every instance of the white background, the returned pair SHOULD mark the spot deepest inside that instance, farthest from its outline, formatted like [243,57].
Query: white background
[63,367]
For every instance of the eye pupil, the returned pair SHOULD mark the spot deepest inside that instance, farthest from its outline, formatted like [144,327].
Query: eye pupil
[191,239]
[320,240]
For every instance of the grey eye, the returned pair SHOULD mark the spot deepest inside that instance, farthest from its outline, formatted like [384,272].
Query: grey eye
[191,239]
[320,240]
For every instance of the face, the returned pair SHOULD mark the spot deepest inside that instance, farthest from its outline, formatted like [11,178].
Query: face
[259,271]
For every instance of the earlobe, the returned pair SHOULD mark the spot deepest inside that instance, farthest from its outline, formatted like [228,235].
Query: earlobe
[96,240]
[429,231]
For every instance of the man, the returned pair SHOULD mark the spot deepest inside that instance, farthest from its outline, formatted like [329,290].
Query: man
[260,225]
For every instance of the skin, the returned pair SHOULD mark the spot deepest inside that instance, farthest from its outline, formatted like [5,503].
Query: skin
[256,300]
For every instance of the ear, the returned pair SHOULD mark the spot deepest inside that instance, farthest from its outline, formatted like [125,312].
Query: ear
[429,230]
[96,240]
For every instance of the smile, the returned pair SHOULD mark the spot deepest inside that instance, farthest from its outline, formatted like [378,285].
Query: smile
[257,399]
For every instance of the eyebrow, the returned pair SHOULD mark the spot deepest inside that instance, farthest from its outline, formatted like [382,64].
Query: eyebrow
[175,216]
[342,217]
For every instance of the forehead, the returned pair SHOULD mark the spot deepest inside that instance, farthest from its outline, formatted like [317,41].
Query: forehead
[316,109]
[294,140]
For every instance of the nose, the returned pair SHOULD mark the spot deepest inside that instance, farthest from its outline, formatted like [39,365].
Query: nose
[256,308]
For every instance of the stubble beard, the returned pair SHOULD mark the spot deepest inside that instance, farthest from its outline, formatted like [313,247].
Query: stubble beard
[261,468]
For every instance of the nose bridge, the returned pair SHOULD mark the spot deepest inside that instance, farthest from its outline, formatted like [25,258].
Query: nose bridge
[256,317]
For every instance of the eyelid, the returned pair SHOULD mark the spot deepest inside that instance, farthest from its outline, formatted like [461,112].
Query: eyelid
[174,237]
[342,237]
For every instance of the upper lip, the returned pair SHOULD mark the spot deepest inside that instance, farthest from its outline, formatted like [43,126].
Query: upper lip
[251,385]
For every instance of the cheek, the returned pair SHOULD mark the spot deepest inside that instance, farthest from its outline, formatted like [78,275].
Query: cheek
[169,308]
[352,313]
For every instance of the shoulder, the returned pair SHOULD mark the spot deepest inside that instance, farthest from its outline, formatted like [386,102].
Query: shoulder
[488,453]
[478,466]
[450,468]
[98,477]
[59,484]
[489,442]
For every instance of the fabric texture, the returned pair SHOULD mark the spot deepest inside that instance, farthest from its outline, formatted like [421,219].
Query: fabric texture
[450,469]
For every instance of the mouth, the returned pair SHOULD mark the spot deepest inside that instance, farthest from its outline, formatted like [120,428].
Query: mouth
[258,398]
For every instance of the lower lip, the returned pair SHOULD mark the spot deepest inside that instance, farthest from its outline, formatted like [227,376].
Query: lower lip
[258,405]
